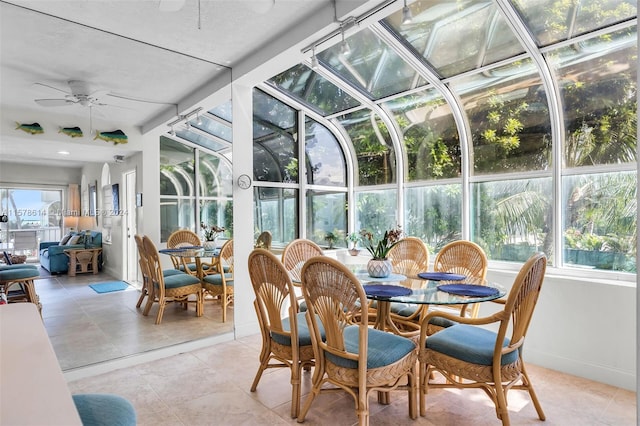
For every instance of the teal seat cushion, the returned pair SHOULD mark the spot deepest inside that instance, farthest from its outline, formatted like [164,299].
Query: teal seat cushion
[216,279]
[383,349]
[104,410]
[170,272]
[468,343]
[180,280]
[18,274]
[304,334]
[192,267]
[404,309]
[442,322]
[18,266]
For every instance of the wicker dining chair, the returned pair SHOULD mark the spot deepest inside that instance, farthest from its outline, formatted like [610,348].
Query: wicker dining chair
[184,238]
[408,257]
[218,280]
[472,356]
[264,240]
[147,286]
[296,253]
[174,288]
[465,258]
[285,336]
[352,356]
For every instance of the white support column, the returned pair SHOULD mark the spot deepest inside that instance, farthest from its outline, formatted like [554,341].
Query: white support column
[245,320]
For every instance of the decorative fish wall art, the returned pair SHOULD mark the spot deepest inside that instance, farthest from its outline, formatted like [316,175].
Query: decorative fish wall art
[74,132]
[33,128]
[116,136]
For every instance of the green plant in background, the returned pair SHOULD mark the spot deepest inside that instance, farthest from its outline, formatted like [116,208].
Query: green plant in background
[353,239]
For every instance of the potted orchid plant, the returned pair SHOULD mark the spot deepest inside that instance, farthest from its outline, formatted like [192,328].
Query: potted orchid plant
[209,235]
[380,266]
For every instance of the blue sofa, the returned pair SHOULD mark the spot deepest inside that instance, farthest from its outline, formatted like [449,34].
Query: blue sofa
[53,259]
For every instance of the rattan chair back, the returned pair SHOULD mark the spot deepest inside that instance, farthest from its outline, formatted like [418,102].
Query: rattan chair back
[183,238]
[223,267]
[296,253]
[264,240]
[465,258]
[276,300]
[512,325]
[147,288]
[335,300]
[162,294]
[409,256]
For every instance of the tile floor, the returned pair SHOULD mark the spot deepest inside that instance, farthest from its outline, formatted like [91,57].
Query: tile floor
[210,385]
[86,328]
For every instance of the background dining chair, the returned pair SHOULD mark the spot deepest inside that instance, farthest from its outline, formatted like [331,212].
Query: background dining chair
[352,356]
[465,258]
[296,253]
[408,257]
[472,356]
[285,335]
[147,286]
[264,240]
[176,288]
[184,238]
[218,280]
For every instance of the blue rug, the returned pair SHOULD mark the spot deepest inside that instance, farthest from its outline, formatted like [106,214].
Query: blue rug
[108,287]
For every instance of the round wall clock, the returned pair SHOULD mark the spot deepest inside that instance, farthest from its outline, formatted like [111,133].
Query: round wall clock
[244,181]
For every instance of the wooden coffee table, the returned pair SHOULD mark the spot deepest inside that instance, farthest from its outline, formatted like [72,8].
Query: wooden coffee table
[82,261]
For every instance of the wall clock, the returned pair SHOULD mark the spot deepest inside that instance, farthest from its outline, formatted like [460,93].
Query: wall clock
[244,181]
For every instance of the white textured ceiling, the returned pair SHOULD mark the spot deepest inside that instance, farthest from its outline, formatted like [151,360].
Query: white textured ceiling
[128,48]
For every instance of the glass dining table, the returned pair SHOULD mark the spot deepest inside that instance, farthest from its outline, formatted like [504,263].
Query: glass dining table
[195,260]
[431,290]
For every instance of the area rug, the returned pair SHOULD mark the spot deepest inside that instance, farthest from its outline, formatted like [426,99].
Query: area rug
[108,287]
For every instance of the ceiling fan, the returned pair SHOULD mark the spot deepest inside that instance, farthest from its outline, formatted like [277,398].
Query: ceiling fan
[79,94]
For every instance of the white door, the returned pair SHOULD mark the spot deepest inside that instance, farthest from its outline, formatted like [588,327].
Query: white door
[131,250]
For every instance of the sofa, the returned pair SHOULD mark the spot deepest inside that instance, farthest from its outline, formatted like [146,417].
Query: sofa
[53,258]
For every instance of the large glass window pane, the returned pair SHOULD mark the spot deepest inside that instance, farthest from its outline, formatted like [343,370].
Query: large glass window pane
[276,211]
[215,192]
[327,217]
[176,213]
[312,89]
[600,220]
[215,176]
[376,210]
[434,214]
[31,210]
[325,160]
[555,20]
[598,82]
[371,65]
[430,136]
[275,156]
[512,219]
[201,139]
[375,155]
[508,117]
[456,36]
[177,187]
[208,125]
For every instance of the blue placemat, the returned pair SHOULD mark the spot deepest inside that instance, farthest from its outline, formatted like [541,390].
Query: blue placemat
[441,276]
[469,290]
[174,250]
[381,290]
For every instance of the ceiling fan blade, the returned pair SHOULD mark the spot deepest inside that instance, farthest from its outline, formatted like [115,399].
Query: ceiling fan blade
[66,92]
[54,102]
